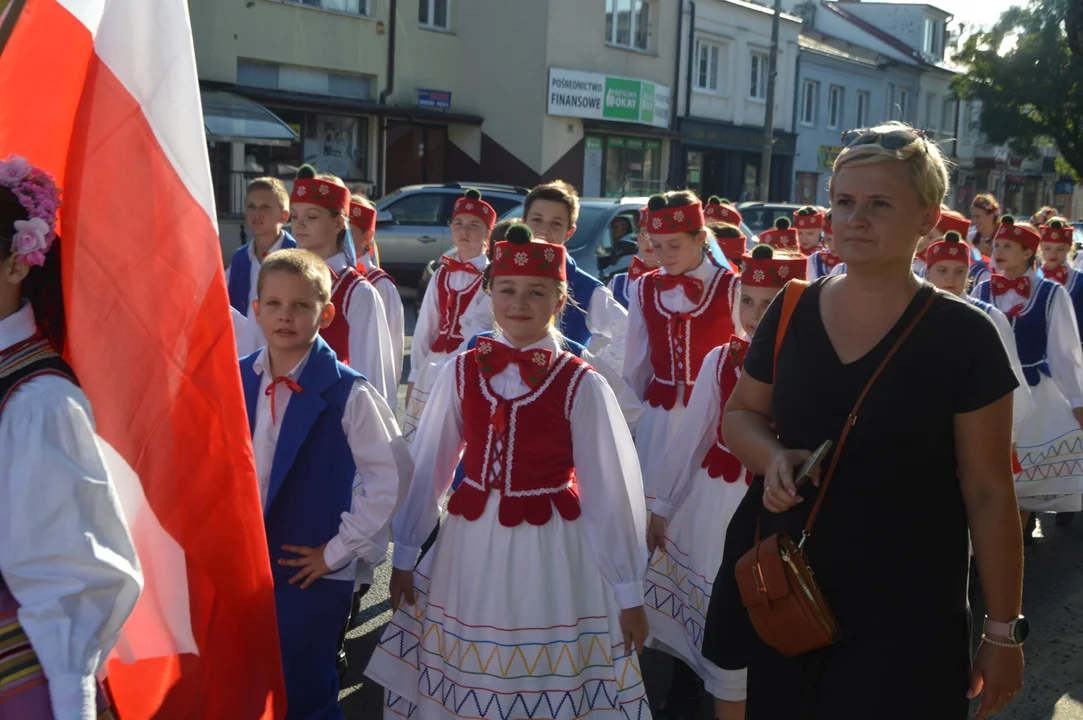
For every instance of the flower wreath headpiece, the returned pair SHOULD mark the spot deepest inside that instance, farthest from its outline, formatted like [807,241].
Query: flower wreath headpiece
[37,192]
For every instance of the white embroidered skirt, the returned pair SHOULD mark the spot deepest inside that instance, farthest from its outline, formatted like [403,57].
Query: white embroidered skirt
[419,396]
[1049,446]
[653,433]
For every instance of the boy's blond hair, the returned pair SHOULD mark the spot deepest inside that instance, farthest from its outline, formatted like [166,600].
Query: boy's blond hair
[273,185]
[302,263]
[927,167]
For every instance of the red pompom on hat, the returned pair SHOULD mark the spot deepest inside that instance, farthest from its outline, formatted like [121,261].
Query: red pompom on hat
[319,192]
[362,217]
[764,270]
[812,221]
[717,211]
[733,247]
[950,220]
[1060,236]
[1025,236]
[472,204]
[521,255]
[951,247]
[665,220]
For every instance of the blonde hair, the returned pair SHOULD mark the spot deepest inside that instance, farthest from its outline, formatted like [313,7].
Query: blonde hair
[926,164]
[362,200]
[275,186]
[301,263]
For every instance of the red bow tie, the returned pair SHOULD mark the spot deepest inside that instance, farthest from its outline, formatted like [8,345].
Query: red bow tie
[494,357]
[1002,284]
[294,387]
[454,265]
[637,268]
[693,287]
[1059,274]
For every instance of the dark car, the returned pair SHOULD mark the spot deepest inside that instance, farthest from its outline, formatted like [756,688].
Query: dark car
[762,216]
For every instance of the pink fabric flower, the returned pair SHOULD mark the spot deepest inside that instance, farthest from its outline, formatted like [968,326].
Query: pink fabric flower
[29,241]
[13,170]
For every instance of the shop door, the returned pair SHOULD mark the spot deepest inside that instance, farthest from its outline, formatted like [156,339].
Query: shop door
[805,190]
[415,154]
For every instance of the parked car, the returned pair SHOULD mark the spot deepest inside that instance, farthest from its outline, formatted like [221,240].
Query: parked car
[762,216]
[593,246]
[413,223]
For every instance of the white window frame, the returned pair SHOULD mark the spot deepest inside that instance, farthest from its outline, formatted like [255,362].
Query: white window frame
[834,107]
[931,118]
[713,85]
[611,9]
[947,114]
[810,89]
[430,25]
[761,64]
[861,109]
[364,7]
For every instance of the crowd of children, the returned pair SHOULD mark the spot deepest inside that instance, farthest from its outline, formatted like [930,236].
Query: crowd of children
[594,487]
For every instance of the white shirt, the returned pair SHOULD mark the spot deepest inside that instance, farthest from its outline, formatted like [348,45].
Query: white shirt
[1022,400]
[638,370]
[239,326]
[607,321]
[371,433]
[476,318]
[250,337]
[65,550]
[1063,352]
[371,351]
[396,324]
[606,468]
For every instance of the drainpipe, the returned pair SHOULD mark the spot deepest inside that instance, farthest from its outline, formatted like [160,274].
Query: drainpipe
[675,150]
[393,10]
[691,52]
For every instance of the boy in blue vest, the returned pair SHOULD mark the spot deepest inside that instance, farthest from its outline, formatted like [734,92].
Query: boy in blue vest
[266,210]
[595,319]
[328,478]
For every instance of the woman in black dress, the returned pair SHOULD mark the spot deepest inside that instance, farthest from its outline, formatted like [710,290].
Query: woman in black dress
[929,459]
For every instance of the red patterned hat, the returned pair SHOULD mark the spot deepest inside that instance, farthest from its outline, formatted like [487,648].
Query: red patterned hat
[362,217]
[950,248]
[521,255]
[828,228]
[763,270]
[321,192]
[951,220]
[472,204]
[812,221]
[718,211]
[781,239]
[1025,236]
[1059,235]
[733,247]
[666,220]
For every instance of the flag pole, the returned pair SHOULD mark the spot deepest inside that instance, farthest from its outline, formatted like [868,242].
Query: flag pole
[9,16]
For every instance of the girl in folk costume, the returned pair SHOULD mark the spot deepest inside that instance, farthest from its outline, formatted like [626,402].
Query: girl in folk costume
[530,603]
[731,241]
[948,264]
[642,263]
[455,308]
[810,224]
[824,261]
[1056,244]
[319,208]
[674,320]
[949,221]
[700,491]
[984,212]
[363,231]
[69,575]
[1049,445]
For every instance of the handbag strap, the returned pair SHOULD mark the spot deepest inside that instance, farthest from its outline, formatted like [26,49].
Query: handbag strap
[790,296]
[851,419]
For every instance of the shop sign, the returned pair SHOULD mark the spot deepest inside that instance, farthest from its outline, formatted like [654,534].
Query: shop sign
[828,155]
[607,97]
[439,99]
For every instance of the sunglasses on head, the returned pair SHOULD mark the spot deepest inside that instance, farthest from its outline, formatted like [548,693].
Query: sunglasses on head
[892,140]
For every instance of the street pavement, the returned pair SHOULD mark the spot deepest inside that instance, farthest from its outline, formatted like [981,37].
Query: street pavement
[1052,600]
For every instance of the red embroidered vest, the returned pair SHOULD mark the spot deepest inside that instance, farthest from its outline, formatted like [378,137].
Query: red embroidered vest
[719,462]
[337,334]
[452,304]
[680,341]
[530,464]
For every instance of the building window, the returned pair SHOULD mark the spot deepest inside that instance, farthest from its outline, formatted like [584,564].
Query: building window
[933,37]
[757,89]
[931,116]
[809,91]
[834,107]
[253,73]
[633,166]
[338,144]
[947,116]
[707,66]
[628,24]
[435,14]
[353,7]
[862,119]
[904,104]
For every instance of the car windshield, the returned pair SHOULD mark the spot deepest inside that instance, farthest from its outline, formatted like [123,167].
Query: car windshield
[763,218]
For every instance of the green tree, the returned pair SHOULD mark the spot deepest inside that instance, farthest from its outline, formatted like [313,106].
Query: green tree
[1028,81]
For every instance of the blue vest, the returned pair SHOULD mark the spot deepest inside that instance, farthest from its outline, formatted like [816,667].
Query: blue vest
[312,475]
[573,322]
[977,267]
[620,289]
[240,274]
[1031,328]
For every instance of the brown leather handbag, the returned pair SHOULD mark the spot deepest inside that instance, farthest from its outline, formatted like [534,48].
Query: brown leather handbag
[777,585]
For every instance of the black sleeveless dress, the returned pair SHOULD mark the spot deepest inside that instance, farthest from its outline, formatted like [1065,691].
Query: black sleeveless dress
[890,545]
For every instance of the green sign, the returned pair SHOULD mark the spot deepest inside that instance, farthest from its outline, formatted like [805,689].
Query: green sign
[654,145]
[616,142]
[594,143]
[603,97]
[621,99]
[634,144]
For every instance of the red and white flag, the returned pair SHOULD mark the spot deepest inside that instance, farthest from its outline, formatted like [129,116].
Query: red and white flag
[103,94]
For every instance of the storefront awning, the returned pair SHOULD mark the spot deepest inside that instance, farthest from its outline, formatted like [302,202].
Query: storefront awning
[634,129]
[228,117]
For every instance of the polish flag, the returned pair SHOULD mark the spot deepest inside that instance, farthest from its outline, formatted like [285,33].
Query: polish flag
[103,94]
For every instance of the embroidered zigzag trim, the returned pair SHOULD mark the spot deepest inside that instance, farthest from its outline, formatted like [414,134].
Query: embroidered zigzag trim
[668,603]
[1035,461]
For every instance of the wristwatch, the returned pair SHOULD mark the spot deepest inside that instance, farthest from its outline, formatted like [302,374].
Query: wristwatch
[1018,629]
